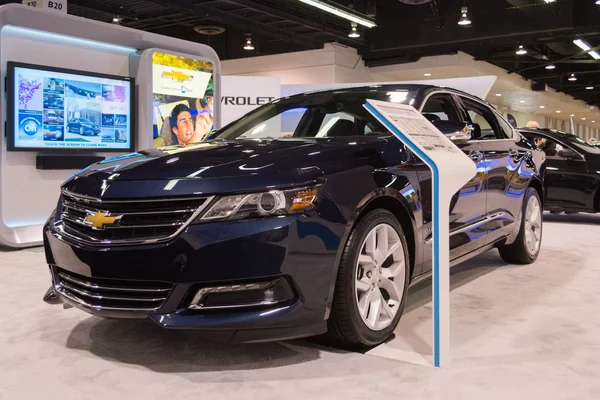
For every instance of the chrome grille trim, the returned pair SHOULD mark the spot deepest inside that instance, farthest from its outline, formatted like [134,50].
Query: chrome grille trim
[100,296]
[161,225]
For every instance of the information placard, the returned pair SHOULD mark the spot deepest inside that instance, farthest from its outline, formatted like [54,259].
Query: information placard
[451,170]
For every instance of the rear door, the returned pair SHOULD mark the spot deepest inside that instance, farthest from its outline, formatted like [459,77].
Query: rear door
[503,159]
[467,210]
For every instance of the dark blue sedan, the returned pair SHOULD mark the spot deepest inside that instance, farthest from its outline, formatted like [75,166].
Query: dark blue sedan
[303,217]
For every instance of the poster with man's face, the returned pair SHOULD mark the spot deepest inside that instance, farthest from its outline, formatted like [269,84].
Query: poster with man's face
[183,99]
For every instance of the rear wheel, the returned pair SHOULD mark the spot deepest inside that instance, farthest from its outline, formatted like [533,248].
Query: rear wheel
[526,247]
[372,281]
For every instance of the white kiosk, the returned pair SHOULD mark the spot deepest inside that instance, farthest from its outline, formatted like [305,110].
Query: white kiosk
[450,169]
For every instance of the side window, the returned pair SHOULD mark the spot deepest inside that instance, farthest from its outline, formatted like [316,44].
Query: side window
[549,146]
[485,123]
[505,126]
[440,107]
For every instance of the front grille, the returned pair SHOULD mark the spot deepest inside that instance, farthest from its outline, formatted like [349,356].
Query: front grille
[102,222]
[109,294]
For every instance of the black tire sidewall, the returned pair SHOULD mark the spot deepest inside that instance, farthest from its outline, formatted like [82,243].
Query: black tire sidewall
[366,335]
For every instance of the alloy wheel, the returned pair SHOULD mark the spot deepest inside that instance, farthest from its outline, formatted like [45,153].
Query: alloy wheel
[533,225]
[380,277]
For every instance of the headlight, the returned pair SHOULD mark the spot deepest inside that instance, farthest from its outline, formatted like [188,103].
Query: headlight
[254,205]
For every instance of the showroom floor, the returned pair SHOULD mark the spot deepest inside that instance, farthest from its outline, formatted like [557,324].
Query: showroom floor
[517,333]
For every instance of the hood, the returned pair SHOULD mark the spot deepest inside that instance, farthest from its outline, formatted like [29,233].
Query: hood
[229,166]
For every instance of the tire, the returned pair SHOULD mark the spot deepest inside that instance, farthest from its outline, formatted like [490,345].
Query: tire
[347,325]
[520,252]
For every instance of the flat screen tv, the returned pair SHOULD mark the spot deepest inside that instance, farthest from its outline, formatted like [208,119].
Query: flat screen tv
[61,110]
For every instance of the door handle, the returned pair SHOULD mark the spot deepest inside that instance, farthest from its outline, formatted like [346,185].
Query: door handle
[515,154]
[476,155]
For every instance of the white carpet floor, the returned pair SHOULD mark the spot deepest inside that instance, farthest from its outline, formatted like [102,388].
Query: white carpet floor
[518,332]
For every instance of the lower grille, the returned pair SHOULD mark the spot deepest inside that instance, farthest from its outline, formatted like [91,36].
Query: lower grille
[109,294]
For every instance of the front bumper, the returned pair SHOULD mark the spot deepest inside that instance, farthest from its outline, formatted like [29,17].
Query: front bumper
[300,249]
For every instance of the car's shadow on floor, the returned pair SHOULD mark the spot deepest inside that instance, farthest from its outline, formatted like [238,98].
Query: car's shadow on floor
[146,344]
[582,219]
[170,351]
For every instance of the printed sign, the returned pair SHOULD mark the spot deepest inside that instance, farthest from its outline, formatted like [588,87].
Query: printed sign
[54,5]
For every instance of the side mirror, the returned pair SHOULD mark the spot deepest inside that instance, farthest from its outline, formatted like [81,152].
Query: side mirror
[458,132]
[568,154]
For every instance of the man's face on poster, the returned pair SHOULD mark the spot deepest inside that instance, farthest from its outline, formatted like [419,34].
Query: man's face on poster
[184,130]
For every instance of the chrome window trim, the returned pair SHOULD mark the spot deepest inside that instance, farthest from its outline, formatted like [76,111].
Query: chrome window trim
[61,233]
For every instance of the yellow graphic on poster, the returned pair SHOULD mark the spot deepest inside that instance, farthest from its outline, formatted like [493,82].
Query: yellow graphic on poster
[183,99]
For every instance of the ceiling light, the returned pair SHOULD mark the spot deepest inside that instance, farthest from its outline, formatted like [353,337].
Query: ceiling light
[590,88]
[464,19]
[427,74]
[586,47]
[521,50]
[542,106]
[558,111]
[116,19]
[598,2]
[354,32]
[583,119]
[582,45]
[549,1]
[571,115]
[551,66]
[522,101]
[249,45]
[572,78]
[340,13]
[594,121]
[498,94]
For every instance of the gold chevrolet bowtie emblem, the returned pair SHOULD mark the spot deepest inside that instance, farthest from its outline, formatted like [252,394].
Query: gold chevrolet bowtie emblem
[177,76]
[100,219]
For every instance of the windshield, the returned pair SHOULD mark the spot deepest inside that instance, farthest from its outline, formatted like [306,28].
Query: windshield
[316,115]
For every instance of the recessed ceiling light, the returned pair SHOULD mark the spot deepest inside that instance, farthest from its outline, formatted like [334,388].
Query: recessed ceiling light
[498,94]
[522,101]
[583,119]
[542,106]
[593,122]
[551,66]
[558,111]
[427,74]
[521,50]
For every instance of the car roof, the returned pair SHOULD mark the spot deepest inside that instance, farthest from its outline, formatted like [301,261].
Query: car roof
[419,89]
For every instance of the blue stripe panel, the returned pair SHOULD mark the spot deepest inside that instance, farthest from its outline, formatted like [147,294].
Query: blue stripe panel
[436,226]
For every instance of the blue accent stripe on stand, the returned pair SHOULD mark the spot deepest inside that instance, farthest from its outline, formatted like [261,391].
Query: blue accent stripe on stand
[436,226]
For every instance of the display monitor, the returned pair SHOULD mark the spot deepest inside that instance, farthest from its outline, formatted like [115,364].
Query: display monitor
[55,109]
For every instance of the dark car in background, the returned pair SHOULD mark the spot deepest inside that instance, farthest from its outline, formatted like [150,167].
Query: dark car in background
[303,217]
[83,126]
[572,174]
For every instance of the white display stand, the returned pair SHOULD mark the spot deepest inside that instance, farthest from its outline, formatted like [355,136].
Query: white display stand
[451,169]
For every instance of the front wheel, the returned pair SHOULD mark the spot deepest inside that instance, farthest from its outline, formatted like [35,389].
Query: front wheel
[372,281]
[526,248]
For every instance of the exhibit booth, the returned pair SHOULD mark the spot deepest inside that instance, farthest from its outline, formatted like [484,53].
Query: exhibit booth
[79,90]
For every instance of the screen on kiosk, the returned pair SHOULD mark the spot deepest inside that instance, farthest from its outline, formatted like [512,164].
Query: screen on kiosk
[58,110]
[182,90]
